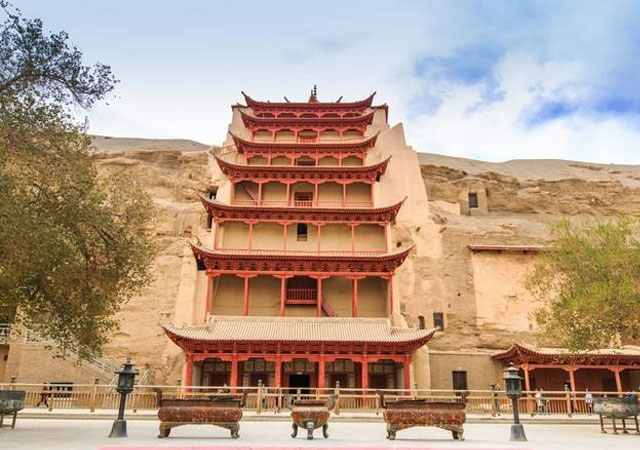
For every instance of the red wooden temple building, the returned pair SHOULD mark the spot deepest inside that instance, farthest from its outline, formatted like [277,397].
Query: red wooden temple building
[606,370]
[299,268]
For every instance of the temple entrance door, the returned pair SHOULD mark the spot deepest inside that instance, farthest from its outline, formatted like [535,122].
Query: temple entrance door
[378,382]
[255,377]
[300,381]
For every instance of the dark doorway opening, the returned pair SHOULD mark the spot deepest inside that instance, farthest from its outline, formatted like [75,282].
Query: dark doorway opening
[459,380]
[302,382]
[255,377]
[378,381]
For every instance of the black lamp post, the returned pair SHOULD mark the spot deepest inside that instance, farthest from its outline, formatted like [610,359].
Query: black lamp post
[126,378]
[513,384]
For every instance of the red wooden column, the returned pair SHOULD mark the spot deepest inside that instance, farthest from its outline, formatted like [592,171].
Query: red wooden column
[527,387]
[189,374]
[572,378]
[344,193]
[283,291]
[315,193]
[319,302]
[233,382]
[278,365]
[288,193]
[353,237]
[407,372]
[321,384]
[245,302]
[284,235]
[354,298]
[616,372]
[364,366]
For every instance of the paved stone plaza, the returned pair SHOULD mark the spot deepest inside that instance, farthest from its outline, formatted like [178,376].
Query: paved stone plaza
[92,434]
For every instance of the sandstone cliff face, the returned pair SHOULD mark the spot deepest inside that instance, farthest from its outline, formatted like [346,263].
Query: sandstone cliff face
[482,295]
[174,173]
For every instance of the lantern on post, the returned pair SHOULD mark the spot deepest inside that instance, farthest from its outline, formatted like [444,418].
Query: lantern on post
[126,379]
[513,385]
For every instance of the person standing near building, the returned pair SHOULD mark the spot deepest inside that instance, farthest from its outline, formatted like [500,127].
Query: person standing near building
[588,400]
[495,387]
[44,396]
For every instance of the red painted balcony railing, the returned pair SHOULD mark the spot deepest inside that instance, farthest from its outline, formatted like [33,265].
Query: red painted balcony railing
[226,149]
[258,252]
[304,203]
[309,295]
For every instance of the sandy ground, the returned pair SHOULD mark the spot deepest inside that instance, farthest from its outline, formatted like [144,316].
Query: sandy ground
[92,434]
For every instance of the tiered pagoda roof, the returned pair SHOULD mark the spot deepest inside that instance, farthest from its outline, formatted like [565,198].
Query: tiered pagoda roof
[254,122]
[249,148]
[278,262]
[280,211]
[303,106]
[231,334]
[525,354]
[302,173]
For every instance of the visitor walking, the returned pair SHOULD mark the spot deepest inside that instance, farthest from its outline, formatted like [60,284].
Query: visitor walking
[545,401]
[44,396]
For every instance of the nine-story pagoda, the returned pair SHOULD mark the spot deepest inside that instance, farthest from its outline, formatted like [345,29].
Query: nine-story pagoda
[299,269]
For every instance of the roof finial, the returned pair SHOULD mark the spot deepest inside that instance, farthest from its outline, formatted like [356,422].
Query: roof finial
[313,98]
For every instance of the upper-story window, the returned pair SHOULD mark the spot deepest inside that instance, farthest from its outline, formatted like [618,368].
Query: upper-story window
[302,232]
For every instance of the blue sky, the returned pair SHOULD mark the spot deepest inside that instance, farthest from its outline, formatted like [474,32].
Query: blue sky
[491,80]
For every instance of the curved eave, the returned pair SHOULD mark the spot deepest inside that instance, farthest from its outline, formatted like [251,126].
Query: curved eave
[245,171]
[410,344]
[253,121]
[272,262]
[364,144]
[365,103]
[522,354]
[218,209]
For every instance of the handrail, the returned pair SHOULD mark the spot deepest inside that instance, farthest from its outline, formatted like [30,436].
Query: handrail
[225,149]
[105,366]
[91,397]
[302,294]
[303,203]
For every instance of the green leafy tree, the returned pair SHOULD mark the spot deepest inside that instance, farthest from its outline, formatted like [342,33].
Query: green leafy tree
[73,247]
[588,282]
